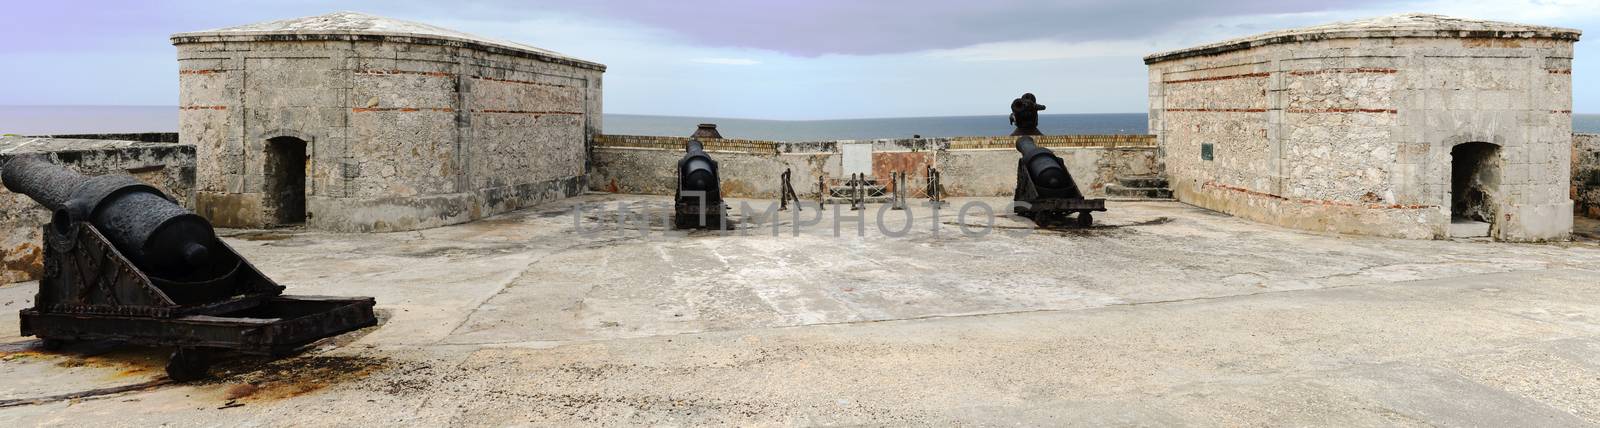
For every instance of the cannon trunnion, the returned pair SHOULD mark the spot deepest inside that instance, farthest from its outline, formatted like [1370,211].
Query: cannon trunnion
[123,262]
[697,203]
[1046,192]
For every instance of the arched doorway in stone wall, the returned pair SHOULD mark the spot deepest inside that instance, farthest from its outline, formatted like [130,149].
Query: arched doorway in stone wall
[284,201]
[1475,177]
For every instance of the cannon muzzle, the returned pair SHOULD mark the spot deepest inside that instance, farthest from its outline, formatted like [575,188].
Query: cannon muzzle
[699,177]
[151,230]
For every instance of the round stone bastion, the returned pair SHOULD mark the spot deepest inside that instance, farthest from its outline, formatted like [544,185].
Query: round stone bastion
[358,123]
[1412,126]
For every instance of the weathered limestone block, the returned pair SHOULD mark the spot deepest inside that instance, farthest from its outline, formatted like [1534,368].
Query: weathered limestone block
[392,89]
[403,153]
[527,96]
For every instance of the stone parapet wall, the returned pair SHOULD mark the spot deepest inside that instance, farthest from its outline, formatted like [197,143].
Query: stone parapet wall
[1586,175]
[993,172]
[970,166]
[947,143]
[168,167]
[652,171]
[680,143]
[1054,141]
[148,137]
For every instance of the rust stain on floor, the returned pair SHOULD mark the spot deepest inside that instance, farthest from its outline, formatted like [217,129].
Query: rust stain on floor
[251,379]
[117,363]
[128,361]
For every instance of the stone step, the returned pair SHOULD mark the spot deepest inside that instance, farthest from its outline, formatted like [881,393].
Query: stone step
[1142,181]
[1468,229]
[1115,190]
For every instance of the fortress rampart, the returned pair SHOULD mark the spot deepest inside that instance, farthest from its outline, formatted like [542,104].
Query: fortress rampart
[970,166]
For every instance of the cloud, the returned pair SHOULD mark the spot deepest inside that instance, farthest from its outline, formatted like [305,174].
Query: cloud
[768,59]
[1040,50]
[853,27]
[726,61]
[1548,12]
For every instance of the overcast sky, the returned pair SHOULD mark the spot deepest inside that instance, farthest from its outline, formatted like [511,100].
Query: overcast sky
[803,59]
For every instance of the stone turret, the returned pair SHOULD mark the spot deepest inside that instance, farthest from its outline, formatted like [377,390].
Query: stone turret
[1415,126]
[354,122]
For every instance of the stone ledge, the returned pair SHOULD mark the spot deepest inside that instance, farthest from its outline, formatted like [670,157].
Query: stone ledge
[358,27]
[1414,25]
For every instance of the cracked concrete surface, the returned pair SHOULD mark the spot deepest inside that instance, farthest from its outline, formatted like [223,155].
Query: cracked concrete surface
[1164,314]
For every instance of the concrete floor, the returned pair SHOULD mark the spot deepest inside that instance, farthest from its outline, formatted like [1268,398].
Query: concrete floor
[1163,314]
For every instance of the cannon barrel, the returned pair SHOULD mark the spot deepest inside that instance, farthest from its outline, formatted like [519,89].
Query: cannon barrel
[154,232]
[39,179]
[698,171]
[1042,164]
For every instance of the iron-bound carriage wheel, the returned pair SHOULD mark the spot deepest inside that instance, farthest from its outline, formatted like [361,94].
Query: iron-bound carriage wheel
[189,364]
[52,344]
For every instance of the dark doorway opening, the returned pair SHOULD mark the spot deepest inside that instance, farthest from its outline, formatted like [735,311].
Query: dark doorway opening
[286,181]
[1474,188]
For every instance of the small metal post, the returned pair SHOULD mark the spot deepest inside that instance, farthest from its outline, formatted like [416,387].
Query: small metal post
[788,189]
[783,191]
[900,190]
[822,192]
[855,192]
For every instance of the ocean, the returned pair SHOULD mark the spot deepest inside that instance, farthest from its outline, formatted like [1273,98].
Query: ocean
[898,127]
[36,120]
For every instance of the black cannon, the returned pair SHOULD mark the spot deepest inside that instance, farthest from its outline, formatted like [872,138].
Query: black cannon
[124,262]
[1046,192]
[698,201]
[1025,115]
